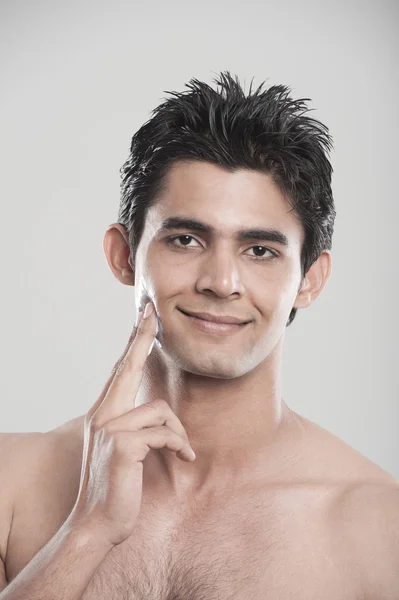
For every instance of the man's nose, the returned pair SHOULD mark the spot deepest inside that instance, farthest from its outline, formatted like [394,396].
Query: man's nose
[220,274]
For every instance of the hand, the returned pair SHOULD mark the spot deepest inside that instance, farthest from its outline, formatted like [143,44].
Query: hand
[117,439]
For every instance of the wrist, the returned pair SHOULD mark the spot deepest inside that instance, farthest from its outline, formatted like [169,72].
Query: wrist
[87,536]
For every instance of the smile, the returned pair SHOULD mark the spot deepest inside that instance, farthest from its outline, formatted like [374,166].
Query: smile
[212,326]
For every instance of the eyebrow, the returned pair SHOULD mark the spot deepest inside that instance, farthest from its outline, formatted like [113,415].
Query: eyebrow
[270,235]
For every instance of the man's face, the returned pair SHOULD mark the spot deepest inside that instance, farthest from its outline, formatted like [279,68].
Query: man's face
[216,271]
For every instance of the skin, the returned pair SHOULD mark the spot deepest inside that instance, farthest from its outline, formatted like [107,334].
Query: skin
[258,463]
[209,379]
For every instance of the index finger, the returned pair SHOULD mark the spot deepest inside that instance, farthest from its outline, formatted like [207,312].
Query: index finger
[104,391]
[121,394]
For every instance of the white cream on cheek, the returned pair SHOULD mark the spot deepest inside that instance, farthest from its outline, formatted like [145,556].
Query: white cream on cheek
[144,295]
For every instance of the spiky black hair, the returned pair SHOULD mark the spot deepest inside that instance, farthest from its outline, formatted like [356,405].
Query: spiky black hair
[266,130]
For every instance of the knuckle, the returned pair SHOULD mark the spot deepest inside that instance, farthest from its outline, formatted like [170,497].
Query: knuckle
[126,367]
[152,406]
[120,365]
[131,337]
[140,331]
[179,442]
[130,363]
[156,432]
[160,404]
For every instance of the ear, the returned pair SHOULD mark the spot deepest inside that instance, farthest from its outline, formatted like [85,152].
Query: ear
[117,251]
[314,280]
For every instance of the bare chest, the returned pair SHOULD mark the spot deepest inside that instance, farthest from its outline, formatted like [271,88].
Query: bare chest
[279,546]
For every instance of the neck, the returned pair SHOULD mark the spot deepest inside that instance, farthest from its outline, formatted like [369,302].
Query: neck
[237,427]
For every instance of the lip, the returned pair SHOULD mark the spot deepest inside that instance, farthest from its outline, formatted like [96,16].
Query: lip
[226,319]
[215,327]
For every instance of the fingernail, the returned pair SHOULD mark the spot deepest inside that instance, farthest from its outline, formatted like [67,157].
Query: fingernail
[139,316]
[191,452]
[148,310]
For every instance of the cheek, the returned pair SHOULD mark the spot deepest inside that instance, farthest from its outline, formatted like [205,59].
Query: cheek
[169,277]
[275,295]
[145,285]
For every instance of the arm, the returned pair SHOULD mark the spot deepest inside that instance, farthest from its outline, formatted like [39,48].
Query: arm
[117,438]
[67,562]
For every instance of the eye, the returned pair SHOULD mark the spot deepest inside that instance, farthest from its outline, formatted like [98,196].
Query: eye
[263,249]
[186,240]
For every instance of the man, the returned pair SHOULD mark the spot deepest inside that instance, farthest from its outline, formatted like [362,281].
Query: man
[225,231]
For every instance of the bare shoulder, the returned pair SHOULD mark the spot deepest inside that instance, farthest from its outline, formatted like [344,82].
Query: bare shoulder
[365,514]
[52,458]
[368,519]
[332,457]
[24,452]
[27,459]
[15,450]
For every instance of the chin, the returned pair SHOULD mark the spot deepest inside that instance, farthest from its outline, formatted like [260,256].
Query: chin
[211,373]
[215,366]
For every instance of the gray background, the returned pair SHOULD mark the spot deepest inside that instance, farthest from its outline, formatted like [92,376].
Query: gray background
[78,79]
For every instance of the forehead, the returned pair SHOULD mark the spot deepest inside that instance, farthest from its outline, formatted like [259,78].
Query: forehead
[226,201]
